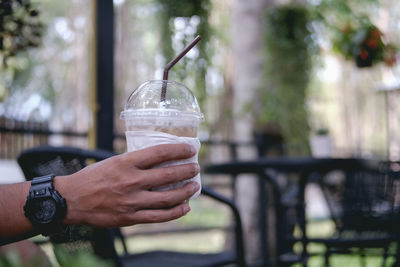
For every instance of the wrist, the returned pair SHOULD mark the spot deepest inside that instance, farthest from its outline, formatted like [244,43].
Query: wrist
[20,206]
[63,185]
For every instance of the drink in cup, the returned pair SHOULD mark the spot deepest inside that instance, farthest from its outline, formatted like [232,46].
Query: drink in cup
[153,120]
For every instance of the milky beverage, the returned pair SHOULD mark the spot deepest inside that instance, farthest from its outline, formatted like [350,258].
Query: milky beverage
[178,131]
[151,121]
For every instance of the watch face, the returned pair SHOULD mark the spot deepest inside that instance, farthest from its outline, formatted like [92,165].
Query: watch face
[43,210]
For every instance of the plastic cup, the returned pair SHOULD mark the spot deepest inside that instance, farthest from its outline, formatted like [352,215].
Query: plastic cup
[150,121]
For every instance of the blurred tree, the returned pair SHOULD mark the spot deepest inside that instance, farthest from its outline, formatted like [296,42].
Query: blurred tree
[20,29]
[247,50]
[281,100]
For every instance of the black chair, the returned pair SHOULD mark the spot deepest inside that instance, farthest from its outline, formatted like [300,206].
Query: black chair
[66,160]
[364,205]
[363,198]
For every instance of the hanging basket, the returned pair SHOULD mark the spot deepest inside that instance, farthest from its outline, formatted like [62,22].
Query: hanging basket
[364,44]
[363,62]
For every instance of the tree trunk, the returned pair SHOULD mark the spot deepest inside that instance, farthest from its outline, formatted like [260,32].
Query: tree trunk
[247,32]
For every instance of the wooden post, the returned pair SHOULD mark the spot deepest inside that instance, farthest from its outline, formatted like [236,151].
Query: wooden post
[92,138]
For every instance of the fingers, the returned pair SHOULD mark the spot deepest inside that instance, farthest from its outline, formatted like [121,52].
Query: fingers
[168,175]
[166,199]
[162,215]
[154,155]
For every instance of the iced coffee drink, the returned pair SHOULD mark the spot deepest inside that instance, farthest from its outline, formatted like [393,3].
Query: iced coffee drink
[151,120]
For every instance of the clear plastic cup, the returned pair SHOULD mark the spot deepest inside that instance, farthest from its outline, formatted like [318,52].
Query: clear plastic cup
[150,121]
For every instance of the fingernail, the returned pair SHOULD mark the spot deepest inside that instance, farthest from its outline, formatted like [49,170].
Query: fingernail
[192,150]
[186,209]
[195,186]
[197,167]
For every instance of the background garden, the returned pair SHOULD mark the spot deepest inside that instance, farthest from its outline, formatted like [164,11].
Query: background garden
[284,72]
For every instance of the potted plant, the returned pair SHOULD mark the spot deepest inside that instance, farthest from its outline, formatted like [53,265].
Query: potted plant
[363,42]
[321,143]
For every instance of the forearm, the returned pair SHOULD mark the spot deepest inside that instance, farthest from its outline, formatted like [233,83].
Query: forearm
[13,223]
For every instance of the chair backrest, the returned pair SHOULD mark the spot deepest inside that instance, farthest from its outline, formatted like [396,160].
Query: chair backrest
[363,199]
[45,160]
[57,160]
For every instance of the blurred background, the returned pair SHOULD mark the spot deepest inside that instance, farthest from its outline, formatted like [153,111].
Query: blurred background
[273,78]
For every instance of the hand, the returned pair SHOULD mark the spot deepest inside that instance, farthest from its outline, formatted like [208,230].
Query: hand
[115,192]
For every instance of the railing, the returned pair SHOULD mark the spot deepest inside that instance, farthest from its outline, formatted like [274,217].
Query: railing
[16,136]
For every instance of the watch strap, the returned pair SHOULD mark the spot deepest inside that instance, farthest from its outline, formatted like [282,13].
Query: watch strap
[43,179]
[42,187]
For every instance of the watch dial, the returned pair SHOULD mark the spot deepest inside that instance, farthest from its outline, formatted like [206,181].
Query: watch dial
[44,210]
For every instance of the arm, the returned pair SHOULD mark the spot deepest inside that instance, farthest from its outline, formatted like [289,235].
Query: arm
[14,225]
[111,193]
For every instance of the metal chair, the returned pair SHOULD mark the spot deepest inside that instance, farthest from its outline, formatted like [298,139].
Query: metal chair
[66,160]
[363,197]
[364,205]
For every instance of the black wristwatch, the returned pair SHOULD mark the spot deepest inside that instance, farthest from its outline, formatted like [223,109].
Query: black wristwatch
[45,207]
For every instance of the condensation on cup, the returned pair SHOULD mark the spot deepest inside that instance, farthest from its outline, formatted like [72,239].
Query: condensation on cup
[151,120]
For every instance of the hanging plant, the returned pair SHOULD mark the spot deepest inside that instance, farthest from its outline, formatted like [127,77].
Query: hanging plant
[288,49]
[364,44]
[351,32]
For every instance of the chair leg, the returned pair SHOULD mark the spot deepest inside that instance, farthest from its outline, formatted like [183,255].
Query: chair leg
[362,258]
[327,255]
[397,260]
[385,255]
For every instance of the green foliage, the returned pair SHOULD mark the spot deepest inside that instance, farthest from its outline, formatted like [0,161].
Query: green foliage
[288,49]
[179,8]
[65,259]
[339,11]
[20,30]
[206,214]
[79,259]
[20,27]
[12,258]
[322,131]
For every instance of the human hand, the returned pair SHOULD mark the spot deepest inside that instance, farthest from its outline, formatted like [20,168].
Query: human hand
[115,192]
